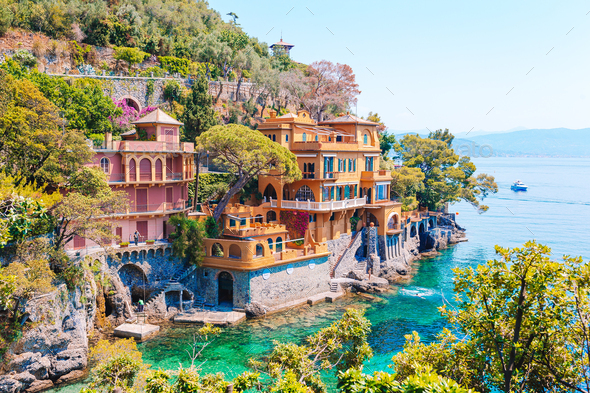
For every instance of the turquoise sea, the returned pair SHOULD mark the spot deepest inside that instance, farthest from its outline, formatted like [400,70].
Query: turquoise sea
[554,211]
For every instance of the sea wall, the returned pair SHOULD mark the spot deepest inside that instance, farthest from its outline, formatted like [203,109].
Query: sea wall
[270,287]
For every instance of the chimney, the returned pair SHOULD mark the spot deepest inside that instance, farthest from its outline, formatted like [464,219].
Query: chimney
[108,139]
[273,113]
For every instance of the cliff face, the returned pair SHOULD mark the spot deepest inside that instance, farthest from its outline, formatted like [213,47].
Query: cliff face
[54,346]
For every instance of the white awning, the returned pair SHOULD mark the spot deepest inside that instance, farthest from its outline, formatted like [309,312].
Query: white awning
[382,183]
[306,155]
[371,154]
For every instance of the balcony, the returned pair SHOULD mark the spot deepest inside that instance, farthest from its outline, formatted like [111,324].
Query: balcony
[322,175]
[319,145]
[320,206]
[158,208]
[376,175]
[146,146]
[146,178]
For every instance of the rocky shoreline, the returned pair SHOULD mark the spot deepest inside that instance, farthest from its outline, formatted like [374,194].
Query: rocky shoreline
[54,350]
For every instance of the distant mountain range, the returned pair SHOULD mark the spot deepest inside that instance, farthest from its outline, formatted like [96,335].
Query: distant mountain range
[554,142]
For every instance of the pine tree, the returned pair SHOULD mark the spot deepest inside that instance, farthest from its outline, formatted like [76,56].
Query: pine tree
[198,117]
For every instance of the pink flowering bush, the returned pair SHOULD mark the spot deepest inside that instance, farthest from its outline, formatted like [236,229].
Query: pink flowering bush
[296,222]
[130,114]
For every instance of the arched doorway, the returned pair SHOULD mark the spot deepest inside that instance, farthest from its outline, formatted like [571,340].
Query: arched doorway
[372,219]
[132,103]
[134,278]
[392,223]
[225,288]
[413,231]
[270,192]
[422,228]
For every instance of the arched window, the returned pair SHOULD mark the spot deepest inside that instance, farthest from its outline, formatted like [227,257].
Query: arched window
[279,244]
[159,170]
[304,137]
[259,250]
[316,138]
[271,216]
[105,165]
[304,193]
[274,138]
[145,170]
[235,251]
[270,192]
[217,250]
[132,170]
[269,240]
[366,139]
[258,218]
[287,138]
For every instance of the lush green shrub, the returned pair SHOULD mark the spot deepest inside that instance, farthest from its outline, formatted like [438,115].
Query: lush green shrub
[97,139]
[172,91]
[5,19]
[175,64]
[25,58]
[157,71]
[131,55]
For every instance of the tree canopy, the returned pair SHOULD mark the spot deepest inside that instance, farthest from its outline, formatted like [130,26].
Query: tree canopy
[524,323]
[447,176]
[247,153]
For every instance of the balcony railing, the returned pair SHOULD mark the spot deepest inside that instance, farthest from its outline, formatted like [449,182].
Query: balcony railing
[164,207]
[320,206]
[145,177]
[146,146]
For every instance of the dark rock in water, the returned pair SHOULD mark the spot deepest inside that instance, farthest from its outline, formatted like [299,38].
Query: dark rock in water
[255,309]
[33,363]
[70,377]
[356,275]
[38,386]
[10,385]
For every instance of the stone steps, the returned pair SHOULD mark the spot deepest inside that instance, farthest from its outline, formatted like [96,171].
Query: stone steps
[334,287]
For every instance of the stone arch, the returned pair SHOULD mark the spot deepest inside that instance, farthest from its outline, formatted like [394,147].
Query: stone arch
[270,192]
[235,251]
[304,193]
[271,215]
[413,231]
[134,255]
[259,218]
[159,252]
[126,256]
[143,254]
[132,275]
[132,102]
[150,253]
[422,228]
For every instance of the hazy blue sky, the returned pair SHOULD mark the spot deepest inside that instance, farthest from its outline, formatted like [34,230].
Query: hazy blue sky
[448,62]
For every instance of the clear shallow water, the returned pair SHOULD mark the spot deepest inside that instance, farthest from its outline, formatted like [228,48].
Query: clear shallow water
[555,211]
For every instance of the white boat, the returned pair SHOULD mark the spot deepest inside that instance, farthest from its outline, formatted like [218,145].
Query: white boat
[519,186]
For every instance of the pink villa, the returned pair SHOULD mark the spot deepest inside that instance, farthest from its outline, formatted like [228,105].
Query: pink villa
[154,168]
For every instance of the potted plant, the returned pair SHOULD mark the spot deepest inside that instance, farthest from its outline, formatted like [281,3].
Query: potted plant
[150,241]
[124,244]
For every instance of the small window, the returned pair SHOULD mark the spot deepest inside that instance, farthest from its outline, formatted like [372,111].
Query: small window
[366,139]
[243,222]
[304,137]
[274,138]
[269,240]
[105,165]
[287,138]
[339,138]
[232,222]
[316,138]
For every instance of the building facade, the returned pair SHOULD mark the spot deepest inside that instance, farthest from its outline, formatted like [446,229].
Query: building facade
[154,168]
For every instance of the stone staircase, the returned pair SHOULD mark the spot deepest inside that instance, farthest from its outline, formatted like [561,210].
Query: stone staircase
[357,238]
[362,266]
[334,287]
[173,284]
